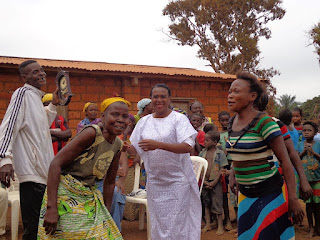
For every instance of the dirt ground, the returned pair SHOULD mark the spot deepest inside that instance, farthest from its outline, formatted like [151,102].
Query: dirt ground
[130,231]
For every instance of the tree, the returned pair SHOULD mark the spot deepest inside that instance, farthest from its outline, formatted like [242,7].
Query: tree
[311,108]
[314,34]
[227,32]
[288,101]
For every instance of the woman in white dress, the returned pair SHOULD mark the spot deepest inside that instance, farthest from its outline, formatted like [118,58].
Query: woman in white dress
[164,141]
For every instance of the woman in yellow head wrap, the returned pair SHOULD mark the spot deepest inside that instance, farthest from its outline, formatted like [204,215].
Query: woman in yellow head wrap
[71,195]
[91,111]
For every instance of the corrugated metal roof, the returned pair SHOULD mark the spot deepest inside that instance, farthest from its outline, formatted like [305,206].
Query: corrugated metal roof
[113,67]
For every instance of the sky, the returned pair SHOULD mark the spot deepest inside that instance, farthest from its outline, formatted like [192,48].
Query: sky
[133,32]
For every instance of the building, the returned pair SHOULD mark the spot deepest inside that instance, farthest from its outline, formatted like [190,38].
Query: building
[95,81]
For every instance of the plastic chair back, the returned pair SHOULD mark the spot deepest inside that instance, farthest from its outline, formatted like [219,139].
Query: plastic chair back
[200,166]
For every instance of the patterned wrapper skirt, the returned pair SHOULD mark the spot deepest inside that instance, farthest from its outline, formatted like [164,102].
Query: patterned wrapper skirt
[265,217]
[82,213]
[315,192]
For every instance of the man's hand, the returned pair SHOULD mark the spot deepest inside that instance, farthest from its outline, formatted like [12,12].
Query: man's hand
[55,100]
[6,172]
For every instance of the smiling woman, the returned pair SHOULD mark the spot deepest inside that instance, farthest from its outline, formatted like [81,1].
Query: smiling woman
[164,141]
[72,206]
[91,111]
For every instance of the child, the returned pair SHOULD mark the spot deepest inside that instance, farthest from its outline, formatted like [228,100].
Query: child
[212,195]
[224,120]
[310,155]
[210,127]
[196,122]
[297,121]
[285,116]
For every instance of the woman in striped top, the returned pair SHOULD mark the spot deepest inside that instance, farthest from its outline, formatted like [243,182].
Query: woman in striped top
[265,206]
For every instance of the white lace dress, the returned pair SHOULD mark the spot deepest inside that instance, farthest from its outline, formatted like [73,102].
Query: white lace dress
[172,189]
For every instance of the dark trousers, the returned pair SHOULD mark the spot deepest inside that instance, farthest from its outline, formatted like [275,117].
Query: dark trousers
[31,195]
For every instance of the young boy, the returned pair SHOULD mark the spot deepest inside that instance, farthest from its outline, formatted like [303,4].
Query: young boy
[212,194]
[196,122]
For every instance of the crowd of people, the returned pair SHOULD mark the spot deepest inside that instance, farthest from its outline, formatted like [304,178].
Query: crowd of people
[259,164]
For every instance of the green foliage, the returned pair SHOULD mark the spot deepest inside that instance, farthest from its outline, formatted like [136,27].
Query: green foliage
[288,101]
[315,36]
[311,108]
[227,32]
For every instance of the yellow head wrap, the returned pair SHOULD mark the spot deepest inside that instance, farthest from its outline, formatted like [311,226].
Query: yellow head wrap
[105,104]
[87,105]
[47,97]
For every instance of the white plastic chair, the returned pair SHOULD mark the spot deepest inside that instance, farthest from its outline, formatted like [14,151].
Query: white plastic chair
[14,202]
[199,164]
[143,205]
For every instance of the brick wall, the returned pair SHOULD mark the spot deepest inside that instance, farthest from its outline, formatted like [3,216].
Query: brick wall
[88,86]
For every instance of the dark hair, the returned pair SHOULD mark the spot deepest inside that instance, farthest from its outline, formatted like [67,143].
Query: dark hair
[285,116]
[296,109]
[196,102]
[313,124]
[24,64]
[214,135]
[196,114]
[210,127]
[222,113]
[162,85]
[254,84]
[263,102]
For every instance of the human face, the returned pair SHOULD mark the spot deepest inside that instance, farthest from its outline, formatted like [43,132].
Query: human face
[308,132]
[160,101]
[34,75]
[92,112]
[240,97]
[196,107]
[116,118]
[224,120]
[208,142]
[296,118]
[196,122]
[148,109]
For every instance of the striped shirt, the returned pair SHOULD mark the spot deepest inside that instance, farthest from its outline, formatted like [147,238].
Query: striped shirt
[253,160]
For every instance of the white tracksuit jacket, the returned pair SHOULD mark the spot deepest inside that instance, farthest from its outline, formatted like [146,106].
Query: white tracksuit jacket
[25,138]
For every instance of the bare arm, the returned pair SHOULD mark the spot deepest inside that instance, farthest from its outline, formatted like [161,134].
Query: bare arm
[305,189]
[148,145]
[277,145]
[64,157]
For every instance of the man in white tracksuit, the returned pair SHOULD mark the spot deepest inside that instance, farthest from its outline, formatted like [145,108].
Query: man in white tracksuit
[25,142]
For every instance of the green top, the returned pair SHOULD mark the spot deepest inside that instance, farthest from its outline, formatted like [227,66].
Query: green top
[94,162]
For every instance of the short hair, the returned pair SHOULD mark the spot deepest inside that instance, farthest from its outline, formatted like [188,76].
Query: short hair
[297,109]
[313,124]
[196,102]
[222,113]
[162,85]
[24,64]
[254,84]
[214,135]
[195,114]
[210,127]
[285,116]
